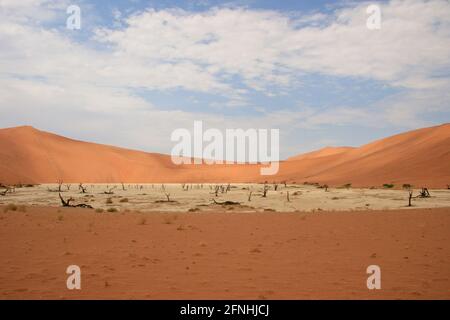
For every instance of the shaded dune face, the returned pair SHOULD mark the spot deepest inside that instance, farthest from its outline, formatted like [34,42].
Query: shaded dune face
[420,157]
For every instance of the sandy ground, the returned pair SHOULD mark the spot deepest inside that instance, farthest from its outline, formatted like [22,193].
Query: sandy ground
[213,255]
[199,197]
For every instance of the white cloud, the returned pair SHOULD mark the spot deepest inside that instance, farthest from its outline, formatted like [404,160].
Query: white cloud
[267,47]
[86,92]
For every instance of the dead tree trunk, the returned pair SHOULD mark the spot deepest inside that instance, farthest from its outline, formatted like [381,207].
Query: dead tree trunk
[287,196]
[65,203]
[250,196]
[266,188]
[60,182]
[82,188]
[167,196]
[410,197]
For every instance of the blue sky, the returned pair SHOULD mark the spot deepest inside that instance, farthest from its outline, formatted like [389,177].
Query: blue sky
[138,70]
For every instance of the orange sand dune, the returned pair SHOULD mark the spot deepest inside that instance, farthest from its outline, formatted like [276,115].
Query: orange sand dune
[419,157]
[327,151]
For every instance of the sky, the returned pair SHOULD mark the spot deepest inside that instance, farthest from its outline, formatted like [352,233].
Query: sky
[137,70]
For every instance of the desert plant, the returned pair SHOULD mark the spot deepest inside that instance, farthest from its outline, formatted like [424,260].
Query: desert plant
[10,207]
[388,185]
[407,186]
[109,201]
[112,210]
[124,200]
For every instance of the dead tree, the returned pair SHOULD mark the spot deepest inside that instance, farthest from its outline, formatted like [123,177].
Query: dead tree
[60,182]
[123,186]
[448,186]
[425,193]
[82,188]
[275,186]
[228,187]
[266,188]
[167,196]
[110,190]
[325,186]
[410,197]
[3,193]
[250,196]
[226,203]
[287,197]
[216,191]
[59,189]
[68,185]
[66,203]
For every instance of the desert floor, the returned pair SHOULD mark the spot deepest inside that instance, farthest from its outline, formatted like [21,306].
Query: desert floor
[223,254]
[199,197]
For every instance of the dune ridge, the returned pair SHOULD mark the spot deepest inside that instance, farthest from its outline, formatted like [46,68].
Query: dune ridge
[418,157]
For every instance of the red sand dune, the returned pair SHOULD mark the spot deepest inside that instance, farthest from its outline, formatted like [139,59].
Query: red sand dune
[419,157]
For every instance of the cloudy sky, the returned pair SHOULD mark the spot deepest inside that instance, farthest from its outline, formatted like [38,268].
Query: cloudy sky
[137,69]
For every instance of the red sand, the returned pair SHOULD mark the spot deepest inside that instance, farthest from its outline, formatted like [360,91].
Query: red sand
[224,255]
[419,157]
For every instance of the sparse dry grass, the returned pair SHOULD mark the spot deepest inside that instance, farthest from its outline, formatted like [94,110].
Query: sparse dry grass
[14,207]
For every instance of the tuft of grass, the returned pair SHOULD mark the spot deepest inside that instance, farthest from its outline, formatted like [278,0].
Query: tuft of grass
[112,210]
[60,217]
[388,185]
[193,209]
[99,210]
[124,200]
[109,201]
[10,207]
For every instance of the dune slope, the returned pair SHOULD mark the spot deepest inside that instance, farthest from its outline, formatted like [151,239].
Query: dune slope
[419,157]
